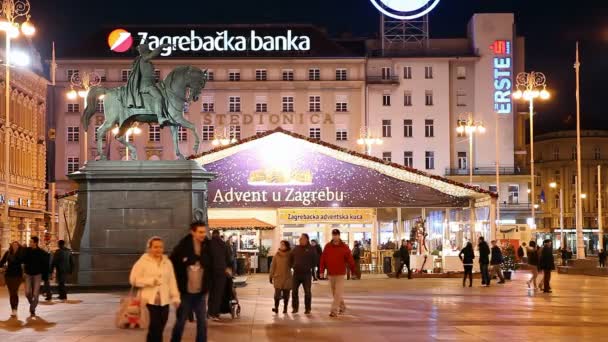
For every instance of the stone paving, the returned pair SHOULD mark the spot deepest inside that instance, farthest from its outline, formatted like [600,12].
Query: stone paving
[379,309]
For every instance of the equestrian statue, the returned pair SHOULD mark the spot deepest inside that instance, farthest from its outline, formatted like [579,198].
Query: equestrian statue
[144,100]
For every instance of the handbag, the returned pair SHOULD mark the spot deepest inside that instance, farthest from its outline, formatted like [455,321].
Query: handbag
[131,312]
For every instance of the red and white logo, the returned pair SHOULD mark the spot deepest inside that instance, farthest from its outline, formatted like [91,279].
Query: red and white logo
[120,40]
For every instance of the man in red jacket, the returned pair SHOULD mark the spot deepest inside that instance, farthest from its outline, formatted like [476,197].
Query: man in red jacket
[336,255]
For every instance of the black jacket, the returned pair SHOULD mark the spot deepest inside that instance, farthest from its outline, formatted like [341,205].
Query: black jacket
[467,255]
[484,253]
[63,261]
[497,258]
[221,256]
[357,253]
[520,252]
[13,263]
[302,260]
[533,256]
[547,262]
[183,256]
[404,254]
[602,256]
[36,262]
[319,251]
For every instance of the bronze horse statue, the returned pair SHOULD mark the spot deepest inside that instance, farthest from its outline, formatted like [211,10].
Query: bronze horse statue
[184,84]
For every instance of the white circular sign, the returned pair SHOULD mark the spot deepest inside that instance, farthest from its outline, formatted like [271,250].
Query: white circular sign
[405,9]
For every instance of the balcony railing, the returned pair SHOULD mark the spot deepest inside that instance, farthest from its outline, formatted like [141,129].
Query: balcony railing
[489,170]
[394,79]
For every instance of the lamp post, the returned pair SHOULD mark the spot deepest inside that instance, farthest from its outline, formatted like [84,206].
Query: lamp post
[553,185]
[470,127]
[223,138]
[79,88]
[133,130]
[368,140]
[531,85]
[10,13]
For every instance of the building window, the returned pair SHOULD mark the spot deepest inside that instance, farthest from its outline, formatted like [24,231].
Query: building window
[314,74]
[408,158]
[314,103]
[72,73]
[386,100]
[407,72]
[573,178]
[428,72]
[156,75]
[234,75]
[408,128]
[124,75]
[73,134]
[182,134]
[287,75]
[99,106]
[597,153]
[461,98]
[208,104]
[208,132]
[341,75]
[461,73]
[428,97]
[429,160]
[387,156]
[261,107]
[234,104]
[463,133]
[573,152]
[314,133]
[386,128]
[73,164]
[261,75]
[462,160]
[341,103]
[235,132]
[407,98]
[103,138]
[287,103]
[556,201]
[492,188]
[538,179]
[154,133]
[513,194]
[386,73]
[186,107]
[573,201]
[341,134]
[210,75]
[429,129]
[102,74]
[73,108]
[259,129]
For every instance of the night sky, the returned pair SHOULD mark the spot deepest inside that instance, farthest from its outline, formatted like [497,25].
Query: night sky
[550,28]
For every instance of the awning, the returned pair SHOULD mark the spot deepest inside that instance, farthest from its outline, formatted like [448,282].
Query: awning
[239,224]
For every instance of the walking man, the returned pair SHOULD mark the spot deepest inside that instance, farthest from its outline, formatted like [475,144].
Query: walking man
[221,269]
[496,262]
[319,251]
[63,264]
[191,264]
[484,261]
[36,263]
[357,257]
[302,259]
[404,259]
[335,258]
[547,264]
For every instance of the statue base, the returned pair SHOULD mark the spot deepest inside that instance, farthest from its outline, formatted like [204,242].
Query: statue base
[122,204]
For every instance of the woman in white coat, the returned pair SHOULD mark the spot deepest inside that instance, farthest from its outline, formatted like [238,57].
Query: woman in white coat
[153,275]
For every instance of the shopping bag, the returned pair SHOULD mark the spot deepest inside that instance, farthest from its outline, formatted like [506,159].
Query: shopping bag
[132,313]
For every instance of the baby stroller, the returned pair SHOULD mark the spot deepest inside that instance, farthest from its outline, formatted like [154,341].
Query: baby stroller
[230,302]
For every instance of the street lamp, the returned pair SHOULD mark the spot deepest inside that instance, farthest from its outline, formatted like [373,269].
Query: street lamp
[223,138]
[11,11]
[470,127]
[133,130]
[553,185]
[79,87]
[531,85]
[368,140]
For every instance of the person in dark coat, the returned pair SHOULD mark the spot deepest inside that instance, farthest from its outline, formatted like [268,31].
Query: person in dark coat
[564,255]
[36,264]
[521,252]
[496,262]
[602,258]
[192,265]
[315,271]
[404,259]
[466,256]
[221,266]
[46,278]
[302,259]
[63,264]
[319,251]
[547,264]
[357,257]
[484,261]
[13,275]
[533,264]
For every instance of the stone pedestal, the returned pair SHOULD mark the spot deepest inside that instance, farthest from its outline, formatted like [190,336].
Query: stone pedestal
[122,204]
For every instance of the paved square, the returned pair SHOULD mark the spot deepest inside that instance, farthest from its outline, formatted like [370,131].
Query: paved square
[379,309]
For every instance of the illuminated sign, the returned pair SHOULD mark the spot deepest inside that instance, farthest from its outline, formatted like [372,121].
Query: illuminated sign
[221,41]
[503,76]
[405,9]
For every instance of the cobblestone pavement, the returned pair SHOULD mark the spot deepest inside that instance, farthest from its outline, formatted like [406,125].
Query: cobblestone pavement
[379,309]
